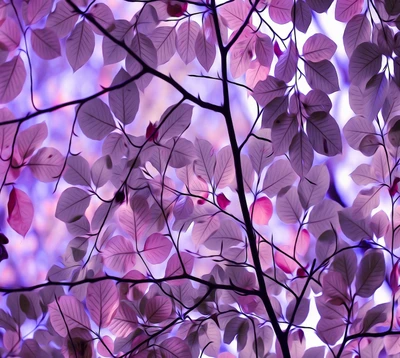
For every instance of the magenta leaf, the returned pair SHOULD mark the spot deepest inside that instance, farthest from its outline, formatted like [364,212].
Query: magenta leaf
[80,45]
[10,34]
[158,309]
[46,43]
[319,47]
[370,273]
[102,302]
[47,164]
[261,211]
[157,248]
[175,347]
[105,346]
[346,9]
[72,204]
[67,315]
[222,201]
[280,11]
[95,119]
[12,79]
[124,102]
[118,254]
[20,211]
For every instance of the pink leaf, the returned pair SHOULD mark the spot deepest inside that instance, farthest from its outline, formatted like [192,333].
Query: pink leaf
[125,320]
[118,254]
[158,309]
[95,119]
[80,45]
[235,13]
[174,267]
[223,201]
[346,9]
[35,10]
[261,211]
[102,302]
[256,73]
[319,47]
[242,53]
[20,211]
[135,221]
[283,262]
[12,79]
[157,248]
[10,34]
[186,39]
[62,19]
[46,43]
[105,347]
[72,204]
[280,11]
[46,164]
[67,315]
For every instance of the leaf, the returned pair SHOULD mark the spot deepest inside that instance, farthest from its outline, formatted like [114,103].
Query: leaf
[323,217]
[354,228]
[204,166]
[286,66]
[320,6]
[325,245]
[335,288]
[324,134]
[174,267]
[35,10]
[375,316]
[101,171]
[357,31]
[158,309]
[112,52]
[46,43]
[261,211]
[228,234]
[164,41]
[365,62]
[346,9]
[301,313]
[301,15]
[260,151]
[242,53]
[174,347]
[225,168]
[67,315]
[319,47]
[80,45]
[95,119]
[20,211]
[204,228]
[104,17]
[356,129]
[365,202]
[30,139]
[273,110]
[118,254]
[77,171]
[322,76]
[374,95]
[7,132]
[62,19]
[102,301]
[174,122]
[186,39]
[279,175]
[10,34]
[330,330]
[124,102]
[156,248]
[380,224]
[345,263]
[210,339]
[288,206]
[264,50]
[317,101]
[235,13]
[12,79]
[280,11]
[125,320]
[72,204]
[135,221]
[313,187]
[301,154]
[47,164]
[370,273]
[265,91]
[283,131]
[205,51]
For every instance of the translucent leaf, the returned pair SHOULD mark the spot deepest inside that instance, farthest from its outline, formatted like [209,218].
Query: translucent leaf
[72,204]
[319,47]
[158,309]
[375,316]
[301,313]
[112,52]
[357,31]
[118,254]
[135,221]
[30,139]
[365,202]
[301,13]
[62,20]
[175,347]
[103,16]
[95,119]
[73,315]
[322,76]
[330,330]
[204,166]
[174,122]
[46,43]
[242,53]
[273,110]
[283,131]
[286,66]
[370,273]
[210,339]
[102,301]
[288,206]
[365,62]
[205,51]
[261,211]
[35,10]
[174,267]
[183,208]
[345,263]
[125,320]
[147,20]
[260,151]
[301,154]
[7,132]
[224,169]
[115,146]
[12,79]
[124,102]
[279,175]
[229,234]
[77,171]
[280,11]
[204,228]
[20,211]
[380,224]
[10,34]
[354,228]
[101,171]
[346,9]
[335,288]
[47,164]
[320,6]
[101,346]
[186,39]
[325,245]
[164,40]
[323,216]
[80,45]
[264,50]
[265,91]
[156,248]
[235,13]
[356,129]
[313,187]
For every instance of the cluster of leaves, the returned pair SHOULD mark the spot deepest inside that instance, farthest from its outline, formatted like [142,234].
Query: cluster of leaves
[166,209]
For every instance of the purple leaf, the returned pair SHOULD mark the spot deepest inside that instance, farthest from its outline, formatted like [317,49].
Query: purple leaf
[356,129]
[273,110]
[345,263]
[224,169]
[357,31]
[77,171]
[204,166]
[325,245]
[112,52]
[164,40]
[62,20]
[10,34]
[174,267]
[46,43]
[72,204]
[229,234]
[313,187]
[124,321]
[35,10]
[242,53]
[47,164]
[147,20]
[103,15]
[319,47]
[317,101]
[186,39]
[264,50]
[115,146]
[101,171]
[73,315]
[279,175]
[234,13]
[375,316]
[354,228]
[205,51]
[265,91]
[346,9]
[301,313]
[335,288]
[370,273]
[283,131]
[261,211]
[7,132]
[323,216]
[322,76]
[301,15]
[365,62]
[301,154]
[102,301]
[320,6]
[288,206]
[365,202]
[124,102]
[20,211]
[175,347]
[30,139]
[380,224]
[286,67]
[204,228]
[173,124]
[158,309]
[135,221]
[80,45]
[95,119]
[183,208]
[260,151]
[118,254]
[330,330]
[156,248]
[12,79]
[280,11]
